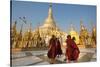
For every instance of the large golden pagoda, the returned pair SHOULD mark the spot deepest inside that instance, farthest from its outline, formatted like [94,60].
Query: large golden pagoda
[49,27]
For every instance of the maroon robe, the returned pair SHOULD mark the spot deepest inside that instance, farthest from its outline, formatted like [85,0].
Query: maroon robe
[75,51]
[52,48]
[72,51]
[59,50]
[69,49]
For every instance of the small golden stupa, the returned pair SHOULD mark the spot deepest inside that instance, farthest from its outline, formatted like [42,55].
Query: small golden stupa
[74,33]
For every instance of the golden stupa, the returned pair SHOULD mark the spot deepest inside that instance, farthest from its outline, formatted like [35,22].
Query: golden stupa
[49,23]
[75,34]
[49,27]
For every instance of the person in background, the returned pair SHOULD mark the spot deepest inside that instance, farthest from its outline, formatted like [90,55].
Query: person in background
[58,45]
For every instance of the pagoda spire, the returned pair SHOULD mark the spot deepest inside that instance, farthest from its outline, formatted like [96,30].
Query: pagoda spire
[14,26]
[81,25]
[50,15]
[49,21]
[71,27]
[14,30]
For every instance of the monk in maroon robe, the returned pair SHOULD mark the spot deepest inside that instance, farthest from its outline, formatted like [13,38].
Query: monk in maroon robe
[59,50]
[72,51]
[69,49]
[75,50]
[52,52]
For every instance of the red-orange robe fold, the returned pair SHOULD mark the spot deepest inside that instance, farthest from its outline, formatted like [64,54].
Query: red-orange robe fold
[69,49]
[52,48]
[75,51]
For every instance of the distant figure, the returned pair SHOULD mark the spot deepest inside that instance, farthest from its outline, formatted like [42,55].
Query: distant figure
[58,45]
[72,51]
[40,42]
[75,50]
[52,52]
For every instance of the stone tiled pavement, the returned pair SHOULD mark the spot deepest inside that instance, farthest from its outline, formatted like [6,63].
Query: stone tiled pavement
[28,58]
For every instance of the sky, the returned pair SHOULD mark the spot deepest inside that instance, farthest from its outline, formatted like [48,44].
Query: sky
[64,15]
